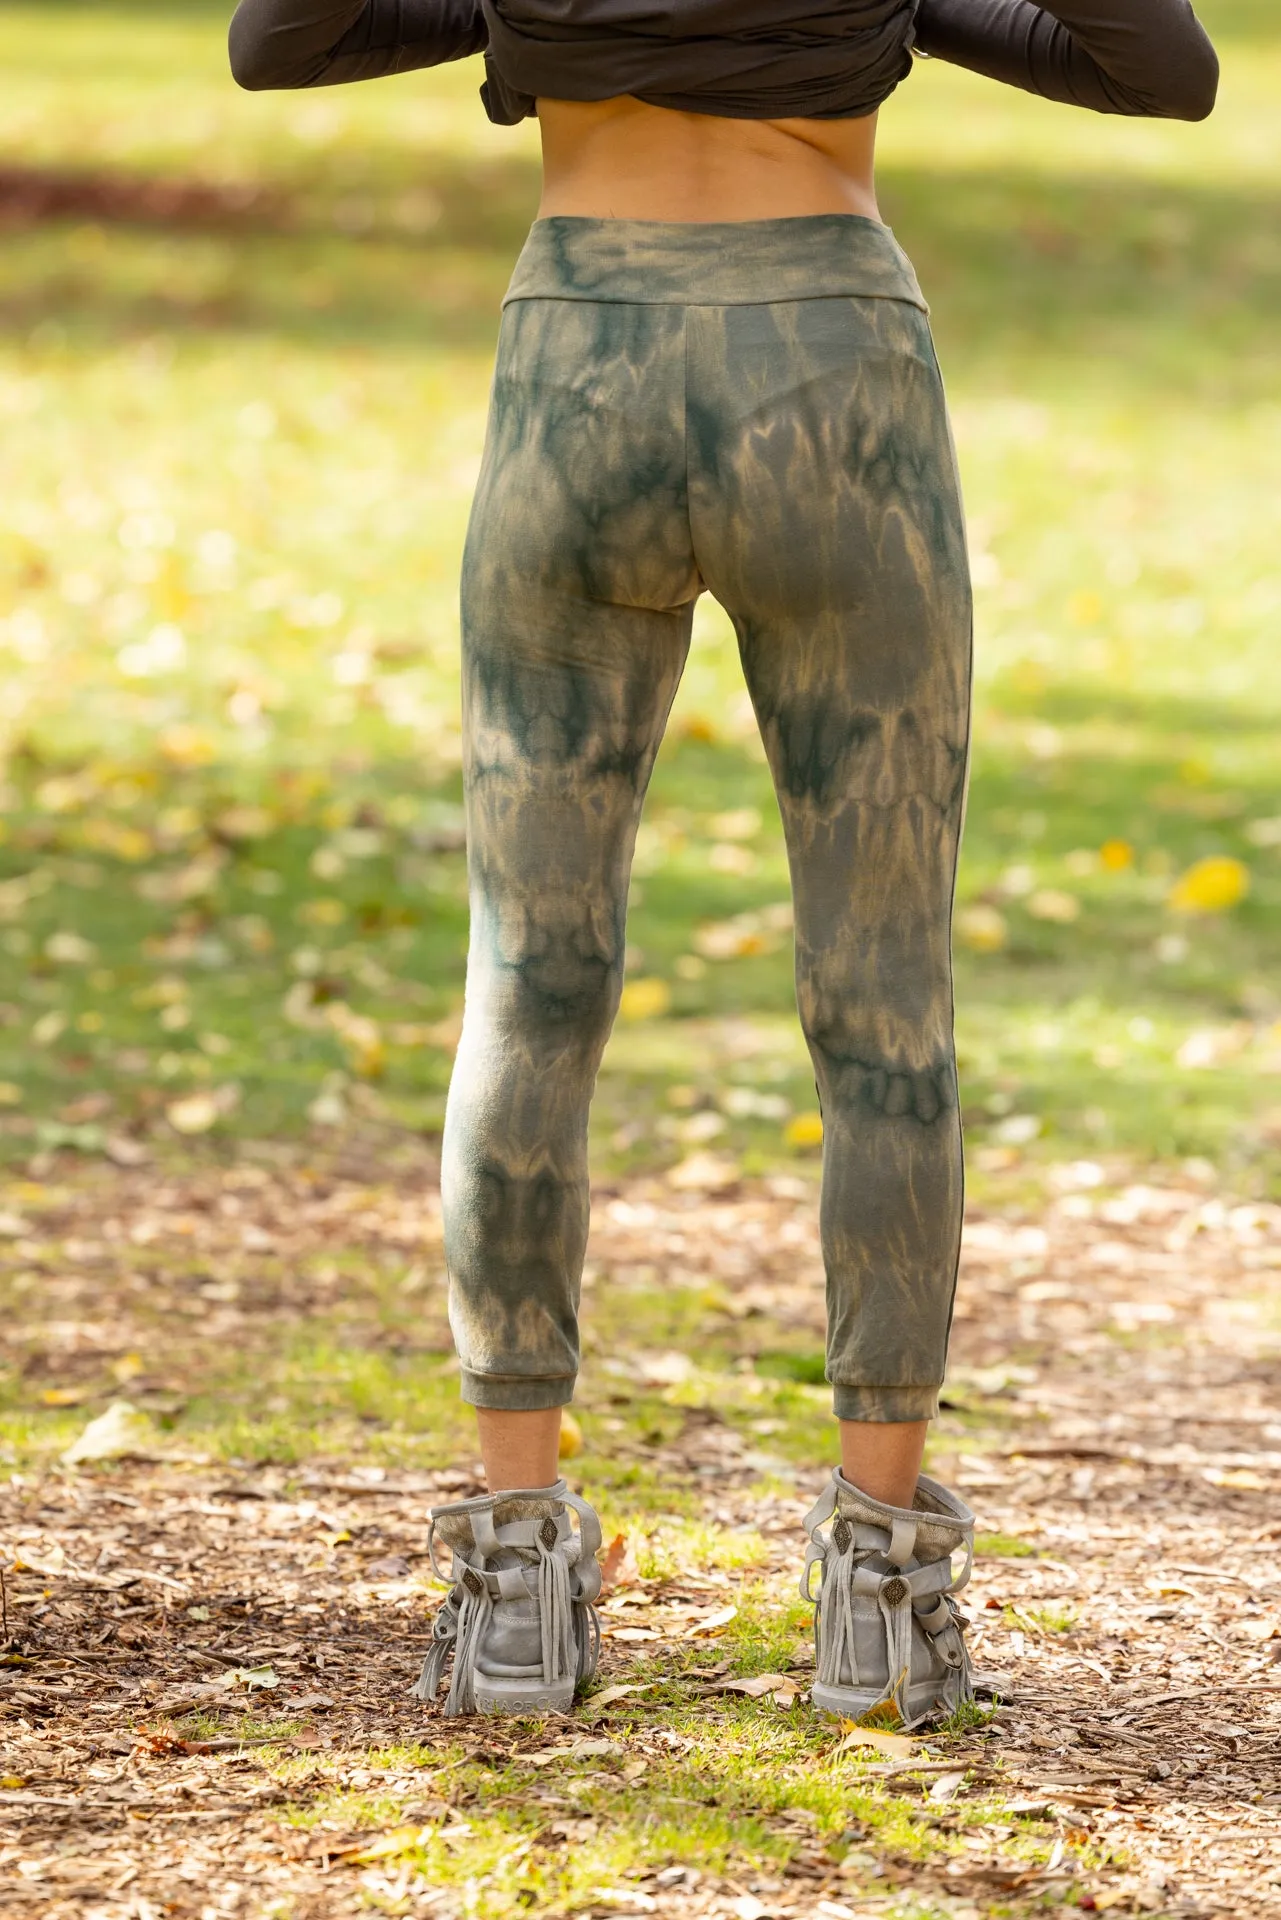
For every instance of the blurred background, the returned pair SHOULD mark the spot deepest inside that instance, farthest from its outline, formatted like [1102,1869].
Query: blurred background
[245,344]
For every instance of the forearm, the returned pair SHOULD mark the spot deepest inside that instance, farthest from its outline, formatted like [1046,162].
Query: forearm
[1114,56]
[314,43]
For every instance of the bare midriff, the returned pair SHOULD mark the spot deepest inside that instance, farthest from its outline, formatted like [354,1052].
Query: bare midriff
[624,160]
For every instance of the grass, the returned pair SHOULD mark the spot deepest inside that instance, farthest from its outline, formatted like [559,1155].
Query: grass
[776,1791]
[238,444]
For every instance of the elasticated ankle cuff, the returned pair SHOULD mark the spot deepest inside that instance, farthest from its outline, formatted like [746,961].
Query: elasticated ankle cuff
[511,1393]
[885,1403]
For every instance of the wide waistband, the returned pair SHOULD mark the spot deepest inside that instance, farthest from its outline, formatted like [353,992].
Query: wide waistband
[722,263]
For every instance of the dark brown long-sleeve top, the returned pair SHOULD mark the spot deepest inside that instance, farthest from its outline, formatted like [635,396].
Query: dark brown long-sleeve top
[747,59]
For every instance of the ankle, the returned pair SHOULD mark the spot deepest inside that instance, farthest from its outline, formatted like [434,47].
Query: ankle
[883,1458]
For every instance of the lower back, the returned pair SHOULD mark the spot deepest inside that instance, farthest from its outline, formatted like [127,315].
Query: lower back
[621,159]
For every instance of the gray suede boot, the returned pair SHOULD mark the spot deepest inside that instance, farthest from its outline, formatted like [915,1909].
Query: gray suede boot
[885,1624]
[519,1618]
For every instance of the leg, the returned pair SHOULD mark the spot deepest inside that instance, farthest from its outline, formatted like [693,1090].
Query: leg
[827,519]
[884,1457]
[577,599]
[519,1449]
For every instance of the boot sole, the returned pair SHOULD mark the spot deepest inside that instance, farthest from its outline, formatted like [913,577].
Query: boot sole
[522,1697]
[847,1704]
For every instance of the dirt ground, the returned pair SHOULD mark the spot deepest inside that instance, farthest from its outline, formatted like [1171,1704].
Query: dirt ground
[1117,1357]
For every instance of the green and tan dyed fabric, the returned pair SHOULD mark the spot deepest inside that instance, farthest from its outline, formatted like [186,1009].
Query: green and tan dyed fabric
[753,410]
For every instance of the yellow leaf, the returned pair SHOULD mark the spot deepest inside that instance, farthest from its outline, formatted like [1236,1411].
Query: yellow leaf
[120,1431]
[63,1396]
[645,999]
[324,912]
[1084,608]
[244,823]
[981,928]
[741,823]
[897,1745]
[12,1781]
[187,746]
[70,949]
[1116,855]
[49,1027]
[10,1094]
[194,1113]
[705,1173]
[711,1623]
[730,940]
[1243,1477]
[571,1436]
[1051,903]
[399,1840]
[699,727]
[111,836]
[1211,885]
[339,1539]
[804,1130]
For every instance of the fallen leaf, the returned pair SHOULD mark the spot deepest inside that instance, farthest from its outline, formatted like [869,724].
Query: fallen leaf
[571,1436]
[48,1028]
[65,1396]
[759,1684]
[981,928]
[123,1151]
[709,1624]
[947,1785]
[194,1113]
[804,1130]
[116,1434]
[748,1907]
[244,823]
[253,1679]
[730,940]
[645,999]
[611,1694]
[897,1745]
[612,1559]
[312,1702]
[1116,855]
[1051,903]
[399,1840]
[392,1566]
[1211,885]
[70,950]
[705,1173]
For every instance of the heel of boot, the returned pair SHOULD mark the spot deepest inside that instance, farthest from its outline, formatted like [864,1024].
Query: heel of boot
[522,1696]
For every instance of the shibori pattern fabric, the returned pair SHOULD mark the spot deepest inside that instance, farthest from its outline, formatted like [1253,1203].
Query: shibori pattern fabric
[754,410]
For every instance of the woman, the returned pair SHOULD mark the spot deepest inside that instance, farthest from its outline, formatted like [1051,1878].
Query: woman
[715,372]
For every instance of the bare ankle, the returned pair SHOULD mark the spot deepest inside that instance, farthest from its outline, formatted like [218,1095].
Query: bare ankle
[883,1457]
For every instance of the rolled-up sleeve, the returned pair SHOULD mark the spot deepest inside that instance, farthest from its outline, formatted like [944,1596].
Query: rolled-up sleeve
[315,43]
[1149,57]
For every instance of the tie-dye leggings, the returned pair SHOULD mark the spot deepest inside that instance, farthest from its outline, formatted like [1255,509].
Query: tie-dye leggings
[752,409]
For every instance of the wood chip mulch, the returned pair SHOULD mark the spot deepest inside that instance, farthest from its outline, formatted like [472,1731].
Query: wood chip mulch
[1114,1405]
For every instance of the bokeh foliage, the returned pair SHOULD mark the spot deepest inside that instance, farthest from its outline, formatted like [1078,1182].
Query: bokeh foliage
[244,353]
